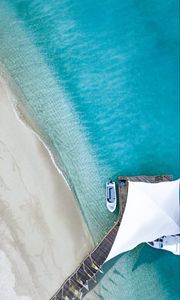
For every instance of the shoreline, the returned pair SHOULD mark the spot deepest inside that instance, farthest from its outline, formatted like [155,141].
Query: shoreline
[22,117]
[68,223]
[25,120]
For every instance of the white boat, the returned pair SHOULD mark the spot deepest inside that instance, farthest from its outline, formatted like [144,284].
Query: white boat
[169,243]
[111,199]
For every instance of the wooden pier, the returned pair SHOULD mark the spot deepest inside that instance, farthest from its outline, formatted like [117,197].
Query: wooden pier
[76,286]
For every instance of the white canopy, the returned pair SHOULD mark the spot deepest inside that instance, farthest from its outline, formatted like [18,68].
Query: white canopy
[152,211]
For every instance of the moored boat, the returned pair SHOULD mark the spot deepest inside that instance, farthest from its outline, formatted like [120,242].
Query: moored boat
[111,199]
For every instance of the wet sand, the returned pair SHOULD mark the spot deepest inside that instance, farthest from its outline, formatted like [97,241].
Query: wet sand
[43,236]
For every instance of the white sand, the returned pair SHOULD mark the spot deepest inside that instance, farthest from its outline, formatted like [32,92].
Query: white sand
[42,234]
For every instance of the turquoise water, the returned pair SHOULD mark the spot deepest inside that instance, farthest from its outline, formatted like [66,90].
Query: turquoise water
[101,81]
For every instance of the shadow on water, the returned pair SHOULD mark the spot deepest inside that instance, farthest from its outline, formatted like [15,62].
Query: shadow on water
[148,255]
[106,267]
[132,262]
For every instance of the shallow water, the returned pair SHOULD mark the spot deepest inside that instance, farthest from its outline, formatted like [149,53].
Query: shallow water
[101,81]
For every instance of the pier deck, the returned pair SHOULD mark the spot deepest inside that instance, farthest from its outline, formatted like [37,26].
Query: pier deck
[76,286]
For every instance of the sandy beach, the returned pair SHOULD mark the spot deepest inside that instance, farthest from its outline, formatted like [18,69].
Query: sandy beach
[43,236]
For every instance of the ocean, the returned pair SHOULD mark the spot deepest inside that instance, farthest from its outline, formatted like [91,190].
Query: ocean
[100,80]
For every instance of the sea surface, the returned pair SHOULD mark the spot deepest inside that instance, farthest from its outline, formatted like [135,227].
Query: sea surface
[100,80]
